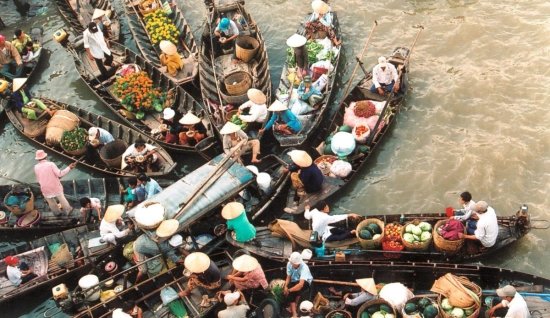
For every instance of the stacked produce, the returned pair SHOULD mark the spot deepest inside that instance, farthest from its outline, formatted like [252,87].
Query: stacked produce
[364,109]
[392,238]
[328,142]
[420,308]
[378,311]
[455,312]
[416,234]
[235,120]
[313,48]
[136,93]
[74,139]
[160,27]
[371,232]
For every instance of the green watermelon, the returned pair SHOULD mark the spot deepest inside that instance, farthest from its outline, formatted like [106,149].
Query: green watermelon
[430,312]
[386,308]
[328,150]
[375,229]
[363,149]
[372,309]
[366,235]
[365,315]
[410,308]
[140,115]
[345,128]
[422,303]
[329,139]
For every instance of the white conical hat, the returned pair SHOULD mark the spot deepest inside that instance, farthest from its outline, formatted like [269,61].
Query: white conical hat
[245,263]
[296,40]
[232,210]
[277,106]
[189,119]
[320,6]
[113,213]
[368,285]
[256,96]
[18,83]
[229,128]
[98,13]
[168,47]
[197,262]
[301,158]
[167,228]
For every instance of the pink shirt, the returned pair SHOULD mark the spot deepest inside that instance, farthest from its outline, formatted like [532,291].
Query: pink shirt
[48,176]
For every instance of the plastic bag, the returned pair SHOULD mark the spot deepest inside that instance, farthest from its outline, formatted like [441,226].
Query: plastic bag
[340,168]
[293,76]
[321,82]
[323,64]
[396,294]
[371,122]
[299,107]
[361,133]
[168,294]
[326,42]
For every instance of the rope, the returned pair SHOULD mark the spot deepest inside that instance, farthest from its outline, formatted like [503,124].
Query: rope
[54,307]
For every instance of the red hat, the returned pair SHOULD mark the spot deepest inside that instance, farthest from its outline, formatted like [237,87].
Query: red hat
[12,260]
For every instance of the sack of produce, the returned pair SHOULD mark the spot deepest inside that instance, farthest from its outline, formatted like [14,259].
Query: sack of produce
[321,82]
[299,107]
[396,294]
[361,133]
[341,168]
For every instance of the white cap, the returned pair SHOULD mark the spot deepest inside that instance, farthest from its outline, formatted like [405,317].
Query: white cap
[175,240]
[92,133]
[295,258]
[306,306]
[230,298]
[382,61]
[168,113]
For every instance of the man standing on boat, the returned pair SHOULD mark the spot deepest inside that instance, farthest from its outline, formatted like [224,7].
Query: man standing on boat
[384,77]
[48,176]
[225,33]
[509,304]
[487,226]
[98,47]
[9,57]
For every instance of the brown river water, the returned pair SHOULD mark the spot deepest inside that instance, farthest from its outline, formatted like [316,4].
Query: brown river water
[475,117]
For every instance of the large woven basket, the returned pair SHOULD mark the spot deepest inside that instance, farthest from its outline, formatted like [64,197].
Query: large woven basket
[16,209]
[416,299]
[370,244]
[62,120]
[445,246]
[417,246]
[112,153]
[234,100]
[443,314]
[238,83]
[37,127]
[62,256]
[377,301]
[344,313]
[142,215]
[246,48]
[76,152]
[321,305]
[460,291]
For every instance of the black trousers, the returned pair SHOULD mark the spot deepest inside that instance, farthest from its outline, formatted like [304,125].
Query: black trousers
[101,66]
[339,234]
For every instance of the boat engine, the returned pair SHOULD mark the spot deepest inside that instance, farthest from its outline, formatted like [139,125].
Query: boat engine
[523,221]
[63,298]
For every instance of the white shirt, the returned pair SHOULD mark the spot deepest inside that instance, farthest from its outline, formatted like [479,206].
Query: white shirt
[110,227]
[94,202]
[517,308]
[96,43]
[118,313]
[231,30]
[487,228]
[321,220]
[385,76]
[14,275]
[467,212]
[257,112]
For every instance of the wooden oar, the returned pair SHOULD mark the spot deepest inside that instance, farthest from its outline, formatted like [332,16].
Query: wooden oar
[388,100]
[34,186]
[214,69]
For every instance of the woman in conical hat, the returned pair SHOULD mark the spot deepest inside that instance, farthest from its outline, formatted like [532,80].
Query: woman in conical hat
[193,130]
[247,273]
[283,120]
[204,271]
[298,43]
[368,293]
[306,176]
[25,103]
[233,135]
[170,58]
[321,20]
[237,221]
[257,113]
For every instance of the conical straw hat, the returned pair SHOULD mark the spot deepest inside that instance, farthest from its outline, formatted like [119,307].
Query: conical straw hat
[245,263]
[320,6]
[167,228]
[296,40]
[368,285]
[232,210]
[113,212]
[229,128]
[189,119]
[98,13]
[256,96]
[301,158]
[18,83]
[277,106]
[197,262]
[168,47]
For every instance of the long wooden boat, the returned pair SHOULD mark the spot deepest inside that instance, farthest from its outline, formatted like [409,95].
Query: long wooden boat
[106,190]
[78,13]
[88,119]
[295,236]
[418,277]
[311,120]
[187,47]
[360,92]
[184,102]
[214,72]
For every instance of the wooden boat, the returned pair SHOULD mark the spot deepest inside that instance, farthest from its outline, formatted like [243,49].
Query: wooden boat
[418,277]
[106,190]
[295,236]
[215,72]
[78,13]
[38,256]
[311,120]
[187,47]
[360,92]
[149,123]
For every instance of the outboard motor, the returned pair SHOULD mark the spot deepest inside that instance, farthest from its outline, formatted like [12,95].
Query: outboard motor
[63,298]
[523,221]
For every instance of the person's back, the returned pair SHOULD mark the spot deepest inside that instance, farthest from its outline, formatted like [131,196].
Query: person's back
[312,177]
[487,228]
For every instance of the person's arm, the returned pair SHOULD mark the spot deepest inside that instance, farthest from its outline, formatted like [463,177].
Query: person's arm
[494,308]
[302,91]
[234,30]
[298,286]
[375,77]
[467,214]
[16,55]
[394,73]
[308,215]
[60,173]
[247,104]
[287,282]
[118,233]
[86,41]
[107,42]
[336,218]
[226,144]
[28,93]
[270,122]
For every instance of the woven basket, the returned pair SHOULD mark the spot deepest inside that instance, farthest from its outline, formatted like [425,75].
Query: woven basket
[62,120]
[321,305]
[416,299]
[112,153]
[36,127]
[370,244]
[234,100]
[150,226]
[77,152]
[443,314]
[418,246]
[445,246]
[16,209]
[378,301]
[145,11]
[230,114]
[246,48]
[238,83]
[460,291]
[343,313]
[62,256]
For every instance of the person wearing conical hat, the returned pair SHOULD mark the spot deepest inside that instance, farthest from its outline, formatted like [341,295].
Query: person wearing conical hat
[25,103]
[283,120]
[131,158]
[384,77]
[193,130]
[204,273]
[298,281]
[170,58]
[305,175]
[97,17]
[233,135]
[247,274]
[321,20]
[298,43]
[368,292]
[108,229]
[235,214]
[257,112]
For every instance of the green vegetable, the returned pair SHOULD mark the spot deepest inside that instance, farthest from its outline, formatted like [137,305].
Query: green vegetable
[372,309]
[425,226]
[327,150]
[425,236]
[365,315]
[363,149]
[446,305]
[422,303]
[457,312]
[329,139]
[430,311]
[345,128]
[74,139]
[375,229]
[158,107]
[365,234]
[408,237]
[468,312]
[140,115]
[386,308]
[416,238]
[409,228]
[417,231]
[389,316]
[410,308]
[378,314]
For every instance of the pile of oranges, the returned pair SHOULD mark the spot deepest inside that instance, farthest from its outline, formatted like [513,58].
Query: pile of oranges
[392,240]
[136,92]
[393,230]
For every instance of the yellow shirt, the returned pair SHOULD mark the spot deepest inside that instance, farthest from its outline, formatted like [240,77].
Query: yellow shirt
[172,62]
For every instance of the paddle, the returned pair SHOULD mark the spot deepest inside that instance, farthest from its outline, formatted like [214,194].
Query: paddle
[390,96]
[34,186]
[214,69]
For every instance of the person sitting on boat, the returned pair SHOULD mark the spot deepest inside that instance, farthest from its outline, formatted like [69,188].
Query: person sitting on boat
[20,40]
[236,304]
[321,20]
[309,93]
[193,130]
[145,247]
[170,58]
[305,175]
[128,310]
[98,47]
[247,274]
[487,225]
[18,275]
[225,35]
[368,292]
[88,205]
[25,103]
[139,157]
[10,57]
[321,220]
[233,135]
[509,304]
[27,55]
[257,110]
[384,77]
[108,228]
[298,44]
[171,131]
[204,273]
[234,213]
[150,186]
[283,120]
[298,281]
[97,138]
[466,214]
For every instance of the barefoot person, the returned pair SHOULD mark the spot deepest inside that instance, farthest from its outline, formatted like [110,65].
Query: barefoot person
[98,47]
[233,135]
[225,36]
[247,274]
[508,304]
[25,103]
[170,58]
[321,221]
[257,110]
[368,292]
[305,175]
[193,130]
[384,77]
[139,157]
[321,20]
[108,229]
[298,280]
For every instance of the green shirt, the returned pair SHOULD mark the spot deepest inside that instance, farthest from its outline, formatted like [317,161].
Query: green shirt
[243,229]
[18,45]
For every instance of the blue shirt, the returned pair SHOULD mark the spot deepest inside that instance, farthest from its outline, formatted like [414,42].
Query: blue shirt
[312,91]
[300,273]
[151,188]
[288,117]
[325,20]
[104,136]
[144,245]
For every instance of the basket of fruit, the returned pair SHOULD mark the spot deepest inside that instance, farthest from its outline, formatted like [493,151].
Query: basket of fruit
[417,236]
[73,142]
[370,232]
[324,163]
[391,241]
